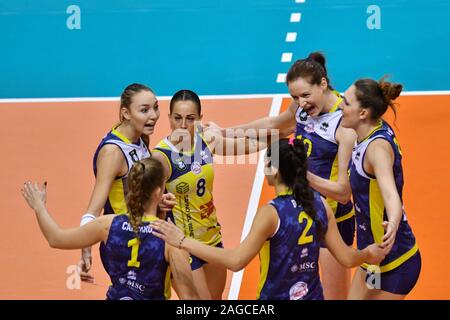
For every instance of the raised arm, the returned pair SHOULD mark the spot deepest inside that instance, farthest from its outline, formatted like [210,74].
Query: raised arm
[74,238]
[340,189]
[285,122]
[263,227]
[346,255]
[225,146]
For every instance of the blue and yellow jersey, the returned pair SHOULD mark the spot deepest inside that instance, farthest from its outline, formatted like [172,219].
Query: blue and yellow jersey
[319,136]
[137,268]
[191,181]
[132,152]
[369,204]
[290,258]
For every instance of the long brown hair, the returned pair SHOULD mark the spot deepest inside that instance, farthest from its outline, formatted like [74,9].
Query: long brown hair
[145,177]
[377,96]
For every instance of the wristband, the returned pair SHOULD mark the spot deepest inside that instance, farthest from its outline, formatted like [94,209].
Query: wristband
[86,218]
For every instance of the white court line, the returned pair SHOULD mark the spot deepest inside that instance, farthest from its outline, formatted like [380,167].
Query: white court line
[162,98]
[203,97]
[253,203]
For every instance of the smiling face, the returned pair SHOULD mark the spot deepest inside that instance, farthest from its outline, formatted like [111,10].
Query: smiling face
[143,112]
[310,97]
[352,113]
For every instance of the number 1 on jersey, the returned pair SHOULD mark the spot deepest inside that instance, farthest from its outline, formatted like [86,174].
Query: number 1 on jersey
[134,244]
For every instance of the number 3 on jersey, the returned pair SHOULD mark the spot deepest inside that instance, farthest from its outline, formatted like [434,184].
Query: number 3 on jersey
[304,238]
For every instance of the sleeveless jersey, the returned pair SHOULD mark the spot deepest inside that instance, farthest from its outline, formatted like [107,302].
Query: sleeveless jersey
[132,153]
[138,269]
[290,258]
[369,204]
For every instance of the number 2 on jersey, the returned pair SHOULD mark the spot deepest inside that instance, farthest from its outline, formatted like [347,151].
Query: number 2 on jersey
[304,238]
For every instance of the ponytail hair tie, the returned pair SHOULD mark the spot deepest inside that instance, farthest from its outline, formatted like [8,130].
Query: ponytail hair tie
[291,141]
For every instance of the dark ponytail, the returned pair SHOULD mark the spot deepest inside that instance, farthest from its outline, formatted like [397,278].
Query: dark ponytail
[312,69]
[292,167]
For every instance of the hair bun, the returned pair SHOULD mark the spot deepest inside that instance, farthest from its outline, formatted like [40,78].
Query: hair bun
[391,91]
[317,57]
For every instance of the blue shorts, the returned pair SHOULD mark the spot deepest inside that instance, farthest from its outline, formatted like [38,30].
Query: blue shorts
[402,279]
[347,230]
[197,263]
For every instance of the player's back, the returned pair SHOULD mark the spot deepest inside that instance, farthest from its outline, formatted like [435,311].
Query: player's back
[137,268]
[289,259]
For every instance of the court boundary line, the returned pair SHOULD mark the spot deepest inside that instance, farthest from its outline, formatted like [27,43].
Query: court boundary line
[253,203]
[203,97]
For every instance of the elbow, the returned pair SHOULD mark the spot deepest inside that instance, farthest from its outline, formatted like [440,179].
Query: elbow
[348,264]
[54,243]
[237,265]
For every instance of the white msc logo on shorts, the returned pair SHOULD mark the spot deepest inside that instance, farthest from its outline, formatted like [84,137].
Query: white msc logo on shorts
[196,167]
[298,291]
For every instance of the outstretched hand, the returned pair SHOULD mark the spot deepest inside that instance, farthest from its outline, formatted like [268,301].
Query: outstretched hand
[35,197]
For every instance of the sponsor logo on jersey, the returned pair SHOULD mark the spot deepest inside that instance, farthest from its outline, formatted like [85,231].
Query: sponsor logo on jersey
[179,164]
[298,291]
[294,268]
[303,115]
[196,167]
[307,266]
[207,209]
[309,127]
[357,156]
[136,285]
[203,155]
[131,275]
[324,126]
[305,253]
[182,188]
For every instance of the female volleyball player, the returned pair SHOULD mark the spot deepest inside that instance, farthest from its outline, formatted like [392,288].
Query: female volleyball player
[315,117]
[376,178]
[187,157]
[287,233]
[115,155]
[136,261]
